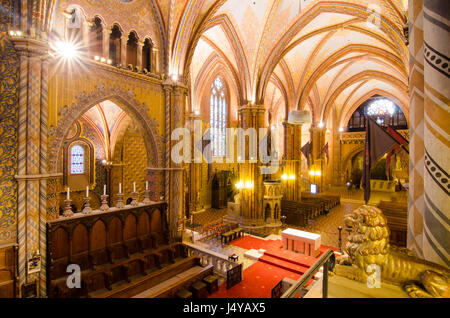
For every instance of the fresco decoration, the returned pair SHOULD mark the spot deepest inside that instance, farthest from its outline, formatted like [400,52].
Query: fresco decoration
[8,131]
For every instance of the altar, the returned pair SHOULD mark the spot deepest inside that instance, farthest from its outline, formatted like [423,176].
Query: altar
[301,242]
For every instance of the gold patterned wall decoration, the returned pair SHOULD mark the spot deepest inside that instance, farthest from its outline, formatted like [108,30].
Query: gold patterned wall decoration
[8,132]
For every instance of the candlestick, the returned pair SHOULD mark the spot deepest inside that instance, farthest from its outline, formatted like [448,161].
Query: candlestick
[104,206]
[146,185]
[120,204]
[68,209]
[87,208]
[120,188]
[146,197]
[134,201]
[134,187]
[68,193]
[87,191]
[104,189]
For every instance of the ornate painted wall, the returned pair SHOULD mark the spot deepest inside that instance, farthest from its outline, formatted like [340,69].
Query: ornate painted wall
[8,131]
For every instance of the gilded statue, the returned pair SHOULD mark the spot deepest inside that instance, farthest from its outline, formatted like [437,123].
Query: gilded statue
[368,248]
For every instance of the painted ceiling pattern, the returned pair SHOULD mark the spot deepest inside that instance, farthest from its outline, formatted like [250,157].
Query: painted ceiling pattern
[320,55]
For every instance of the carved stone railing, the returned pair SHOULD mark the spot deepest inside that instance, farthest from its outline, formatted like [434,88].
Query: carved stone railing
[359,136]
[207,257]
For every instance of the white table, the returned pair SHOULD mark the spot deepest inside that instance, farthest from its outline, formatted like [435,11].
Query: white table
[301,242]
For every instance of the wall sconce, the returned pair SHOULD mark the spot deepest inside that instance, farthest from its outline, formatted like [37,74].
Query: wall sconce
[247,185]
[15,33]
[107,163]
[102,60]
[315,173]
[285,177]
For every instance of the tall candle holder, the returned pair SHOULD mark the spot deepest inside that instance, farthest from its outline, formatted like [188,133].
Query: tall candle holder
[104,206]
[146,197]
[87,207]
[134,201]
[68,209]
[120,204]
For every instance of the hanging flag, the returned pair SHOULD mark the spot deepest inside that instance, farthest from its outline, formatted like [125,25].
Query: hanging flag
[306,150]
[325,149]
[378,142]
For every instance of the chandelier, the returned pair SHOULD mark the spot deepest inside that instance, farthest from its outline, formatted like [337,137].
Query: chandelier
[381,108]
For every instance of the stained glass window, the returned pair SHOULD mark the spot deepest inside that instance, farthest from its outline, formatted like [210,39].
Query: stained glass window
[77,160]
[218,118]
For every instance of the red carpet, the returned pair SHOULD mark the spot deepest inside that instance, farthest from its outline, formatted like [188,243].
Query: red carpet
[259,279]
[273,266]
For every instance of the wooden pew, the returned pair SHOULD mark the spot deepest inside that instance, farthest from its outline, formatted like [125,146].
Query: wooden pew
[396,214]
[111,248]
[170,287]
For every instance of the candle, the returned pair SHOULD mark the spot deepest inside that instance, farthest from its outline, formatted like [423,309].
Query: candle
[68,193]
[134,187]
[120,188]
[146,185]
[87,191]
[104,189]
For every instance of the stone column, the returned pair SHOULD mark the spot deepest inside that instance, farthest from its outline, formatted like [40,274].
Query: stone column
[140,45]
[123,50]
[252,116]
[32,162]
[319,160]
[416,204]
[195,168]
[106,36]
[155,61]
[293,137]
[177,181]
[436,33]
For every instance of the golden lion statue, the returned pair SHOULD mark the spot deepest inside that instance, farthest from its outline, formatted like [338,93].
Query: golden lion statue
[368,248]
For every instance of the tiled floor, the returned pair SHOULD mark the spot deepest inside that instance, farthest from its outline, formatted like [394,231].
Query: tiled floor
[326,225]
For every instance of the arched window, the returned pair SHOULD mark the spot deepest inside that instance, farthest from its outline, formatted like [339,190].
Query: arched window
[218,118]
[96,38]
[77,159]
[115,45]
[147,55]
[132,45]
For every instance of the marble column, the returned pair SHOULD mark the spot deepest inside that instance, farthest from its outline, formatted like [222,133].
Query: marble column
[436,229]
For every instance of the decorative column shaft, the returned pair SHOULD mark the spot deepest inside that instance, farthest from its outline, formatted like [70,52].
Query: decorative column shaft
[32,164]
[318,143]
[140,45]
[293,137]
[416,204]
[436,229]
[252,116]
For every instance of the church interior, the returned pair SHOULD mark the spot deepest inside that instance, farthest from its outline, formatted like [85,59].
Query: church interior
[224,149]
